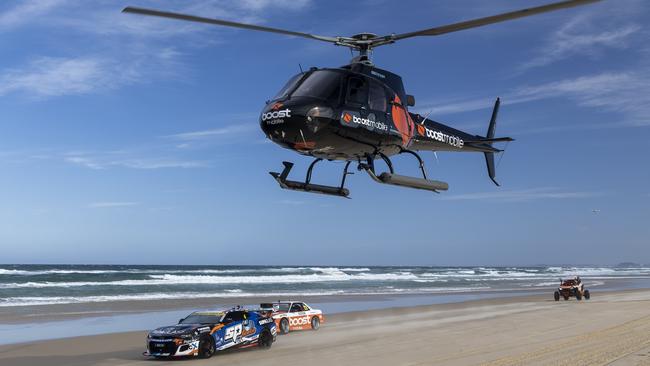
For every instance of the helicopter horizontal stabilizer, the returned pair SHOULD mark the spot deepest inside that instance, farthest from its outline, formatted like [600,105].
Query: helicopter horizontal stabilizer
[489,141]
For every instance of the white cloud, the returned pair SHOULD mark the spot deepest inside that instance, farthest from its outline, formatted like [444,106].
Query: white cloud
[571,40]
[59,76]
[114,49]
[159,163]
[49,76]
[84,161]
[26,12]
[105,161]
[627,93]
[594,31]
[112,204]
[207,134]
[523,195]
[257,5]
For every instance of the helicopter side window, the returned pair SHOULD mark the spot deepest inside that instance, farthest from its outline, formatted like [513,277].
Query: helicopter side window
[357,91]
[377,98]
[322,84]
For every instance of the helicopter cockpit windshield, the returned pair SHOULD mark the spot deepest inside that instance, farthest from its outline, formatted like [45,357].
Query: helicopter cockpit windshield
[284,92]
[321,84]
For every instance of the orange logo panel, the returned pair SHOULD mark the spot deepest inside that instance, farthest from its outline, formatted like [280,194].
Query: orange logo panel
[402,121]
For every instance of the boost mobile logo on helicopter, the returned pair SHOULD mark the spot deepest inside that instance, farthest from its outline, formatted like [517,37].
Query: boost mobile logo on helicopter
[442,137]
[353,118]
[276,115]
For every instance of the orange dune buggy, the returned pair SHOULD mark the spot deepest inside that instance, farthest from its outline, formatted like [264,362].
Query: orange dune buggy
[570,288]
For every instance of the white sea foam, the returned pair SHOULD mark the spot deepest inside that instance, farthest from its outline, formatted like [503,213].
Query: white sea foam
[261,270]
[36,300]
[333,274]
[51,271]
[170,279]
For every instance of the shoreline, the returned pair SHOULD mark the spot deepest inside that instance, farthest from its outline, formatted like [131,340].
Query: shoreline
[153,314]
[612,326]
[59,312]
[332,303]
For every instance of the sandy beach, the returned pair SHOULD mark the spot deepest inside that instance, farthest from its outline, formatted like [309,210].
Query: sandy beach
[611,328]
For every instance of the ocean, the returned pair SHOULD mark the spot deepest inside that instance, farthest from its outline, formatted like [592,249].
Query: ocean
[22,285]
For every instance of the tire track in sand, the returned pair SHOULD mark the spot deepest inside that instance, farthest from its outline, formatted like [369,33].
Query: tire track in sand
[600,347]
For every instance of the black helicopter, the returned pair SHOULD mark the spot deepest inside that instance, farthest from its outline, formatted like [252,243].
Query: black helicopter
[359,113]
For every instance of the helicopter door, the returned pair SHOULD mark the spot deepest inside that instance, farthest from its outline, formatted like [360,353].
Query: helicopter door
[357,97]
[378,106]
[366,100]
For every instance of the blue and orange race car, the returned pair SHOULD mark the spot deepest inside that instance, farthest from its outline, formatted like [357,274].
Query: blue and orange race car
[204,333]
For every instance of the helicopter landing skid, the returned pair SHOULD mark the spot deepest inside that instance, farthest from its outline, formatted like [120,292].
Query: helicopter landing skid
[307,186]
[403,180]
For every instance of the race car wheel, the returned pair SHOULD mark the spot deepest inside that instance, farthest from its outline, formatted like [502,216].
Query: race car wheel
[284,326]
[206,347]
[315,323]
[566,298]
[266,339]
[556,295]
[587,295]
[578,295]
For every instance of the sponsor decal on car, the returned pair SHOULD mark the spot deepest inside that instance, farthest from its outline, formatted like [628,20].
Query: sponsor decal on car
[304,320]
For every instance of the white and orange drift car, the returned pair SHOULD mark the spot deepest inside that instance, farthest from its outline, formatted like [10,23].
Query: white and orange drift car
[294,315]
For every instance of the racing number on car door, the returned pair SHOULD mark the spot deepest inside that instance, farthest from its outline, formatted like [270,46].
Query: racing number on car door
[233,332]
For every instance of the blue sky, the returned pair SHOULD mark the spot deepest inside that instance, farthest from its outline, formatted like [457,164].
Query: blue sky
[127,139]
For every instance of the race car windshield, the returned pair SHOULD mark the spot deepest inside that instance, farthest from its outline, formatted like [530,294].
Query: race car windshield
[202,319]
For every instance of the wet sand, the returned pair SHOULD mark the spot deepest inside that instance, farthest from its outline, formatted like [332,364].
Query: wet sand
[611,328]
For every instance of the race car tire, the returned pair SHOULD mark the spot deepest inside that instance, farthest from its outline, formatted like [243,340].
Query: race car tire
[587,295]
[578,295]
[566,298]
[284,326]
[556,296]
[266,339]
[315,323]
[206,347]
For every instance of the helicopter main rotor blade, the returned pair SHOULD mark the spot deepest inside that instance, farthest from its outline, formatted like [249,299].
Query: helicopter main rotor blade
[493,19]
[227,23]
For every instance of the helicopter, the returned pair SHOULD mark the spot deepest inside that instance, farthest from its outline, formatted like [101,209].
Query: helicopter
[358,113]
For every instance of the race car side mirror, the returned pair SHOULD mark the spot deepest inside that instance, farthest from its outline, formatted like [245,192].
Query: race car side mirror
[181,320]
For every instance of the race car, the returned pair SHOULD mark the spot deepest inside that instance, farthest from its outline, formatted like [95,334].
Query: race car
[571,287]
[204,333]
[293,315]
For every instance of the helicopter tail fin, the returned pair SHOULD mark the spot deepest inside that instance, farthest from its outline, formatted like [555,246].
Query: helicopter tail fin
[489,139]
[489,161]
[493,121]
